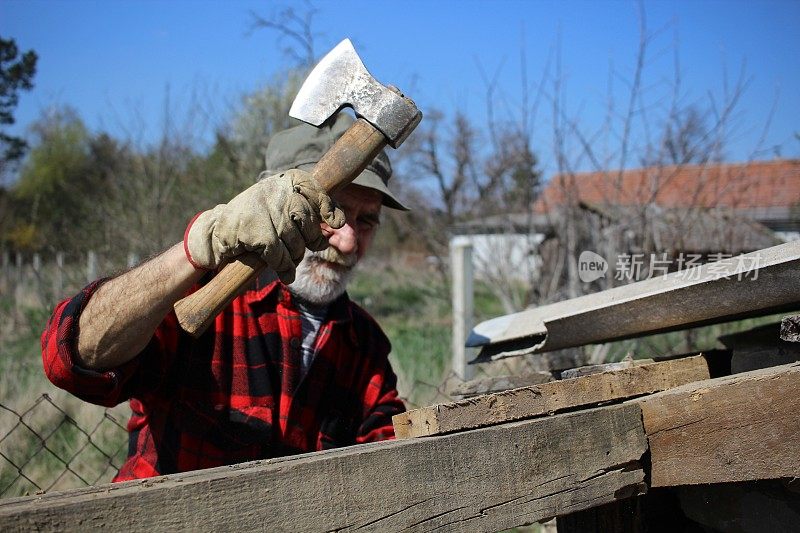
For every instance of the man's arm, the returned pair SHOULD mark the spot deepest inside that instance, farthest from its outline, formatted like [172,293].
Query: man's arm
[121,317]
[278,217]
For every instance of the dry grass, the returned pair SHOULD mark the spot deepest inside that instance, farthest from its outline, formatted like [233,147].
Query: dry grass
[48,438]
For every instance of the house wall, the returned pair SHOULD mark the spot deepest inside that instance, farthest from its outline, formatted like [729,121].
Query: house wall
[505,256]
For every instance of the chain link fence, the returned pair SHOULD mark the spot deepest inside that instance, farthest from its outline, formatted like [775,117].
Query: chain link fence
[44,448]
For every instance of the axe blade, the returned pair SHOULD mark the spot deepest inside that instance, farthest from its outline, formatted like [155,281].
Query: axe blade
[340,80]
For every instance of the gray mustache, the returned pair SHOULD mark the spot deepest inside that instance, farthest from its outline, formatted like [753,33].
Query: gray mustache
[332,255]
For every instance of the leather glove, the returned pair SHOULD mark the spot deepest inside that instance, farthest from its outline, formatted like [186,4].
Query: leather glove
[278,218]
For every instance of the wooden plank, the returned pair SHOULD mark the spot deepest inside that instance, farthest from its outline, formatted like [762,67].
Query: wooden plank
[736,428]
[588,370]
[548,398]
[484,480]
[478,387]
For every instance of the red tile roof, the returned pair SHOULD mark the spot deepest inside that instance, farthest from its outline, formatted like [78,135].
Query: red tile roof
[738,186]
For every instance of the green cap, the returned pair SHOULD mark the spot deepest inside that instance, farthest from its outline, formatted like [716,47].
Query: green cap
[302,146]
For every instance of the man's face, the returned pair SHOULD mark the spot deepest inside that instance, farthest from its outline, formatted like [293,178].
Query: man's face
[322,276]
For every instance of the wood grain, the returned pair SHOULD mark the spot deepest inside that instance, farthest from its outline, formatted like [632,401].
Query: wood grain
[477,387]
[538,400]
[735,428]
[484,480]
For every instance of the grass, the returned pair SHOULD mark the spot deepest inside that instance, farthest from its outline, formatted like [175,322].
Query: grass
[414,311]
[48,438]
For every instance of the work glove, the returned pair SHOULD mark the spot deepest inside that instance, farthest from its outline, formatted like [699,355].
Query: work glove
[277,218]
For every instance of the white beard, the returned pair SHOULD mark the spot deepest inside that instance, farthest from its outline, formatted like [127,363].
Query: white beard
[322,277]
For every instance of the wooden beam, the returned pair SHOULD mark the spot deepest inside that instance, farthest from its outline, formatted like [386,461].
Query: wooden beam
[482,386]
[736,428]
[485,480]
[548,398]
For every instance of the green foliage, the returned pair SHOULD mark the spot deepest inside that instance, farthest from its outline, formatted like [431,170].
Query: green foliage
[386,299]
[16,74]
[79,190]
[62,149]
[59,185]
[416,322]
[240,144]
[421,359]
[486,303]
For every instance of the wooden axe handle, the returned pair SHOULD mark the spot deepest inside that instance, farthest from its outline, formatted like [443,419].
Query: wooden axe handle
[346,159]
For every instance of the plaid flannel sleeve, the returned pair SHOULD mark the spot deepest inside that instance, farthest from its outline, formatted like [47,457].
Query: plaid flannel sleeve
[381,404]
[108,387]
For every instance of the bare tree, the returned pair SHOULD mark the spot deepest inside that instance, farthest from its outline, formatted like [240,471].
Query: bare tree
[295,31]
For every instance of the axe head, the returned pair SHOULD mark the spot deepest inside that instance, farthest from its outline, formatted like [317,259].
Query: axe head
[339,80]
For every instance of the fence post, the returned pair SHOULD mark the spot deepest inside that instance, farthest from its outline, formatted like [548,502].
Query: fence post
[133,259]
[18,275]
[18,280]
[461,270]
[5,272]
[58,279]
[37,262]
[91,266]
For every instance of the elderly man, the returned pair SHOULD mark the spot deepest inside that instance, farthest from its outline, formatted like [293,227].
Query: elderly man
[291,366]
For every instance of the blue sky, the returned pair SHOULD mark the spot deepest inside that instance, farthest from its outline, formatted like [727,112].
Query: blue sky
[113,60]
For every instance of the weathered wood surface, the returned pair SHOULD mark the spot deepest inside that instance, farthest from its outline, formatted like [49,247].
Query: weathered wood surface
[500,383]
[790,328]
[588,370]
[484,480]
[537,400]
[736,428]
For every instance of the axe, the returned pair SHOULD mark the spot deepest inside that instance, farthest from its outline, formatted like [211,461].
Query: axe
[384,116]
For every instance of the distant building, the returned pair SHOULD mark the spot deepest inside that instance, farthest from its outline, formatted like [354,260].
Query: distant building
[767,192]
[704,209]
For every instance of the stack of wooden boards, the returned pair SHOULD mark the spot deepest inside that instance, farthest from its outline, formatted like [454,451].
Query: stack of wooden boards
[689,429]
[698,430]
[486,463]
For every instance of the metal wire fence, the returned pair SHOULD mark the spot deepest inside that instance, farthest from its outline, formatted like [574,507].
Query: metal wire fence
[44,448]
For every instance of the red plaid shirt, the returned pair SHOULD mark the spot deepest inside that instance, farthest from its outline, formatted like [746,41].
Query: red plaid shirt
[236,393]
